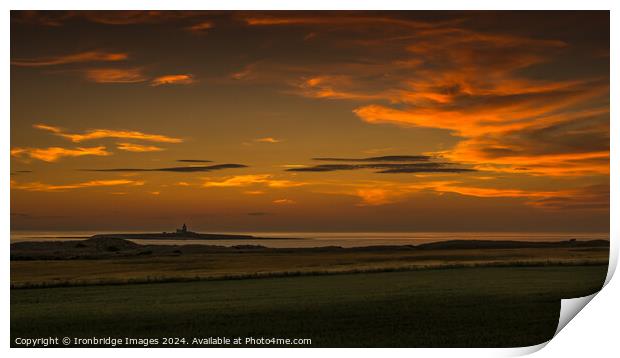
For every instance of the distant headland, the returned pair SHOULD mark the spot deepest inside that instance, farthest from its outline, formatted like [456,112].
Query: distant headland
[183,234]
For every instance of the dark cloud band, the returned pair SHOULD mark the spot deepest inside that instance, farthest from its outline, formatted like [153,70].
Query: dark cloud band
[388,158]
[387,165]
[190,169]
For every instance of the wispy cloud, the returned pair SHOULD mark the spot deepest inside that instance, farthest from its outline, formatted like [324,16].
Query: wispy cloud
[595,197]
[591,197]
[252,179]
[131,17]
[386,164]
[107,133]
[254,192]
[267,140]
[47,127]
[284,201]
[386,158]
[134,75]
[376,196]
[332,87]
[188,169]
[132,147]
[382,193]
[182,79]
[80,57]
[334,19]
[37,186]
[115,75]
[107,17]
[201,27]
[52,154]
[245,73]
[478,85]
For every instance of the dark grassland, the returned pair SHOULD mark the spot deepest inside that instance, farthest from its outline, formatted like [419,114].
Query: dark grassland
[116,261]
[459,307]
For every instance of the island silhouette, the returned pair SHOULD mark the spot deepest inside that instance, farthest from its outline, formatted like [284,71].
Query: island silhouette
[185,234]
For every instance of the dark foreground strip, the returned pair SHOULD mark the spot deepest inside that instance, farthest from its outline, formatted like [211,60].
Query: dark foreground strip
[279,274]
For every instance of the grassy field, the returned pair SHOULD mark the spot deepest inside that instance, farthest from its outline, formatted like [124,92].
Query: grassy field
[197,266]
[464,307]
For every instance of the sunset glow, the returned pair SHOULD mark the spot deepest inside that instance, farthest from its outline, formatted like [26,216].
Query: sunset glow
[338,121]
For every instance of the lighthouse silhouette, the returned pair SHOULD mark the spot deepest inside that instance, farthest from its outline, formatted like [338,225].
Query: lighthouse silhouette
[182,230]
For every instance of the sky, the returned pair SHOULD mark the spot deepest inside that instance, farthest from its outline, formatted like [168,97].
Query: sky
[310,121]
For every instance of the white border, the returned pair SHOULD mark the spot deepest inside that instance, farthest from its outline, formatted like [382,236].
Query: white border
[594,330]
[310,5]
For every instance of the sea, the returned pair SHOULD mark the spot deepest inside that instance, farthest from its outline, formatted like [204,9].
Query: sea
[321,239]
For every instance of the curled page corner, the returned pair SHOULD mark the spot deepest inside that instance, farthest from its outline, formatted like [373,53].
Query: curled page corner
[523,351]
[570,308]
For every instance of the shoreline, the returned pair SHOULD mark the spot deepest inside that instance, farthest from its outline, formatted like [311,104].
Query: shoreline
[101,260]
[104,247]
[284,240]
[189,236]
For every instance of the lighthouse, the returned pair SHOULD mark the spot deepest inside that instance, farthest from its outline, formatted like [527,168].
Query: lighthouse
[182,230]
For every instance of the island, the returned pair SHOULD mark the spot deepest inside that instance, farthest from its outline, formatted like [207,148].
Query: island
[183,234]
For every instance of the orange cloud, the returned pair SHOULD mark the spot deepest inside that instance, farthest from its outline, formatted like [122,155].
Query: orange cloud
[493,192]
[47,127]
[115,75]
[378,193]
[89,56]
[335,20]
[252,179]
[108,133]
[245,73]
[173,80]
[471,83]
[592,197]
[331,87]
[254,192]
[132,147]
[267,140]
[493,115]
[36,186]
[377,196]
[260,21]
[284,201]
[52,154]
[595,197]
[577,145]
[201,26]
[375,193]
